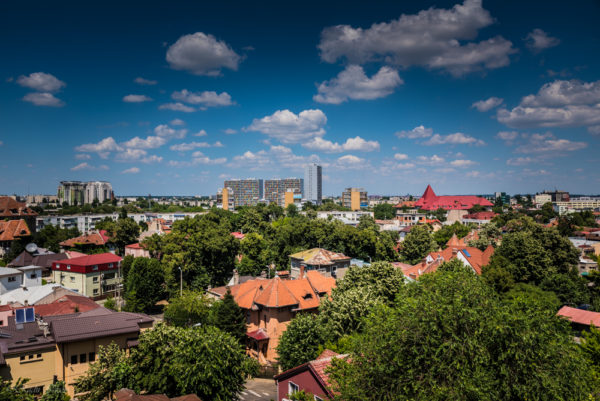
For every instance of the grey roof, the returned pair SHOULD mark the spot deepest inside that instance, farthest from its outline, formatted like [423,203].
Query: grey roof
[9,271]
[30,267]
[32,295]
[28,337]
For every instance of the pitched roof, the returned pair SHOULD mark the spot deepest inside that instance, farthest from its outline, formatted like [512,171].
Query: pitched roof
[474,256]
[13,229]
[32,295]
[9,207]
[96,238]
[455,241]
[95,259]
[67,304]
[580,316]
[431,201]
[277,293]
[486,215]
[8,271]
[258,335]
[319,256]
[130,395]
[44,260]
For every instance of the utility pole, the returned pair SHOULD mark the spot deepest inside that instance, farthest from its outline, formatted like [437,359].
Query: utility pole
[180,282]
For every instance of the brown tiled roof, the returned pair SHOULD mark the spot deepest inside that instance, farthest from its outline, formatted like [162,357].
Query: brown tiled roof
[45,260]
[319,256]
[11,208]
[67,304]
[13,229]
[97,238]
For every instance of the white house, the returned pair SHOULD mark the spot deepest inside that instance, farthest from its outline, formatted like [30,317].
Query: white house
[10,279]
[32,275]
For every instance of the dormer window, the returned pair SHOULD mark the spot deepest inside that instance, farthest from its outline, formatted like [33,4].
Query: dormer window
[307,296]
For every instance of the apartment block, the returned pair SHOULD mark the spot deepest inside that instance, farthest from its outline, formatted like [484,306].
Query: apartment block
[355,198]
[275,190]
[246,192]
[81,193]
[313,183]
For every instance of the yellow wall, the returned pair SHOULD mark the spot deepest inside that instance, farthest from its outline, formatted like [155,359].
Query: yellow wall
[289,199]
[355,200]
[84,283]
[225,194]
[40,371]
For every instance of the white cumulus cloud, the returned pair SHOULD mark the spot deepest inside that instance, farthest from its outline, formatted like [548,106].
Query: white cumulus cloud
[87,166]
[165,131]
[353,83]
[43,99]
[351,144]
[288,127]
[136,99]
[457,138]
[400,156]
[487,104]
[462,163]
[205,99]
[202,54]
[144,81]
[102,148]
[41,82]
[150,142]
[538,40]
[176,107]
[417,132]
[132,170]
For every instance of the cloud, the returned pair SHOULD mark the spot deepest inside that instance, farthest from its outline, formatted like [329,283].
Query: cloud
[488,104]
[184,147]
[127,155]
[87,166]
[431,160]
[538,40]
[595,130]
[206,98]
[288,127]
[353,83]
[165,131]
[417,132]
[43,99]
[152,159]
[431,38]
[454,139]
[351,144]
[151,142]
[202,54]
[519,161]
[132,170]
[144,81]
[198,158]
[557,104]
[350,162]
[136,99]
[400,156]
[548,143]
[83,156]
[462,163]
[102,148]
[275,157]
[41,82]
[177,121]
[200,133]
[507,136]
[176,107]
[229,131]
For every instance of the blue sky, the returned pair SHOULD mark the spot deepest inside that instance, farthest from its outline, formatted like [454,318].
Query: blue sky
[174,97]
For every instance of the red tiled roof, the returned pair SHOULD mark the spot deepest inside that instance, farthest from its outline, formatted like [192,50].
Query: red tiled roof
[97,238]
[13,229]
[431,201]
[135,246]
[65,305]
[481,215]
[12,208]
[408,204]
[580,316]
[258,335]
[476,258]
[95,259]
[238,235]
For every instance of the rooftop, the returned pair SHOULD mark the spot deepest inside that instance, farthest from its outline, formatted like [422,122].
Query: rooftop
[431,201]
[13,229]
[95,259]
[319,256]
[580,316]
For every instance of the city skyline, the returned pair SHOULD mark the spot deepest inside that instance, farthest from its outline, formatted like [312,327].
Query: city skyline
[390,97]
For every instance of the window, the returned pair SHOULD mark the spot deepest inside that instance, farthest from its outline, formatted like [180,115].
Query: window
[292,388]
[73,359]
[82,358]
[33,275]
[68,267]
[22,357]
[39,355]
[72,279]
[92,356]
[110,265]
[12,279]
[96,291]
[95,267]
[31,356]
[109,276]
[95,280]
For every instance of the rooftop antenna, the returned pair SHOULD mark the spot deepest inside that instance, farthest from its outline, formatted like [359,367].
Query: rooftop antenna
[31,247]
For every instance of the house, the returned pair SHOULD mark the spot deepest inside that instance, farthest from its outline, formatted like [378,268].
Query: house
[94,276]
[137,251]
[40,257]
[62,347]
[94,240]
[11,209]
[479,218]
[43,294]
[129,395]
[431,201]
[322,260]
[10,279]
[310,377]
[12,230]
[580,319]
[66,305]
[270,304]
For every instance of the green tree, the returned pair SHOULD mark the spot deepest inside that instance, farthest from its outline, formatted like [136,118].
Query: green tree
[200,360]
[590,345]
[229,317]
[187,310]
[489,234]
[127,232]
[417,244]
[51,236]
[254,250]
[384,211]
[109,373]
[110,303]
[291,210]
[381,278]
[56,392]
[301,396]
[144,286]
[300,342]
[450,337]
[444,234]
[16,392]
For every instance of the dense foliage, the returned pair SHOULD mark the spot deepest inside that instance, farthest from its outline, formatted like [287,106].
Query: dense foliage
[417,244]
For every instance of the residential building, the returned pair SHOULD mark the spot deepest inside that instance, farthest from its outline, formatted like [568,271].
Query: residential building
[311,377]
[276,189]
[270,304]
[246,192]
[431,201]
[351,218]
[325,262]
[38,295]
[62,347]
[292,197]
[410,217]
[224,199]
[313,183]
[129,395]
[542,199]
[95,276]
[479,218]
[10,231]
[558,196]
[10,279]
[40,257]
[32,276]
[11,209]
[94,240]
[137,250]
[81,193]
[355,198]
[577,205]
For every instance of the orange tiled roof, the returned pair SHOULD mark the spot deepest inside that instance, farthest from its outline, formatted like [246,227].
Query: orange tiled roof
[65,305]
[580,316]
[475,257]
[13,229]
[98,238]
[12,208]
[278,293]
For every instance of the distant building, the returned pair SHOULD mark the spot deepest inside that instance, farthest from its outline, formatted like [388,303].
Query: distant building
[11,209]
[542,199]
[325,262]
[224,199]
[137,250]
[95,276]
[355,198]
[431,201]
[246,192]
[10,231]
[558,196]
[351,218]
[313,183]
[81,193]
[479,218]
[276,189]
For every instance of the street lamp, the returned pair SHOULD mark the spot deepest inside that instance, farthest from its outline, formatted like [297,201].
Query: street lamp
[180,282]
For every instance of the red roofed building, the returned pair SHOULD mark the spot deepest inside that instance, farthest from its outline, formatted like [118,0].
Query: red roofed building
[94,276]
[479,217]
[270,304]
[65,305]
[137,250]
[310,377]
[580,319]
[431,201]
[10,231]
[11,209]
[94,239]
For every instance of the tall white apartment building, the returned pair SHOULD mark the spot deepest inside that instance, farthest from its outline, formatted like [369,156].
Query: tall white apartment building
[313,187]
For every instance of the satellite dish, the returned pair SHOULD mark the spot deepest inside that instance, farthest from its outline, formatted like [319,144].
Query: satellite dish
[31,247]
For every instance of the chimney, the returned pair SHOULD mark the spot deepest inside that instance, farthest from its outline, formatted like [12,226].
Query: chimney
[454,251]
[301,272]
[236,277]
[424,262]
